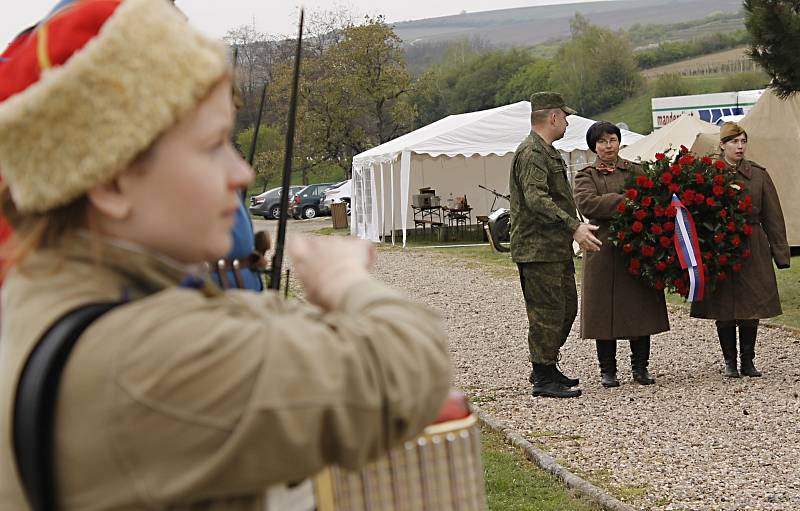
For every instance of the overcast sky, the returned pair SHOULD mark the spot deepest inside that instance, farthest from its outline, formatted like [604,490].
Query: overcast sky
[277,17]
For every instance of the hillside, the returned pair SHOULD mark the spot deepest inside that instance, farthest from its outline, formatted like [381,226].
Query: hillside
[527,26]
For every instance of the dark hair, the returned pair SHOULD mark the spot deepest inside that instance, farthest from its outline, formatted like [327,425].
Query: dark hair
[601,128]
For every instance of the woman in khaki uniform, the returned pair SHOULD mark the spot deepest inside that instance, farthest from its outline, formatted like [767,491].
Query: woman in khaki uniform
[751,294]
[120,179]
[614,303]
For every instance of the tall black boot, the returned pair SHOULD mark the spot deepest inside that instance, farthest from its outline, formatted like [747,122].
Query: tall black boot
[640,359]
[747,346]
[607,358]
[727,341]
[545,385]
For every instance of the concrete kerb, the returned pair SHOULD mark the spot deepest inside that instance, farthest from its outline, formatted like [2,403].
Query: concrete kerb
[548,463]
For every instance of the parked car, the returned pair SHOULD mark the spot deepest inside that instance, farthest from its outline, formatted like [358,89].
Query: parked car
[305,203]
[338,193]
[268,204]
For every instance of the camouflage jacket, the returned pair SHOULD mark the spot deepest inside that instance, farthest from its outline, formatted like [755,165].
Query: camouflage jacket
[543,217]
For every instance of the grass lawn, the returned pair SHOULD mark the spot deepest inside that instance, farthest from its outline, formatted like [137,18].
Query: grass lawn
[514,483]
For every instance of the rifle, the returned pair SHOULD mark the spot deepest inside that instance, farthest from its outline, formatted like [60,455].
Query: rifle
[277,257]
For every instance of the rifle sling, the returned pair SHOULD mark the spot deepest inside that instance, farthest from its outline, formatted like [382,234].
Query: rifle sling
[35,404]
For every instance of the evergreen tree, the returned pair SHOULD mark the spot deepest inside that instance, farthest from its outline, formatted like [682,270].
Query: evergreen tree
[774,26]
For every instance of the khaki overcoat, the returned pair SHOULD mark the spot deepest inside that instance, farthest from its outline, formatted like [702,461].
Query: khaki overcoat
[753,292]
[187,398]
[614,303]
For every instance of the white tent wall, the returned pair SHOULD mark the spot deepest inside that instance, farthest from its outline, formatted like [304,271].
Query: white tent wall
[457,175]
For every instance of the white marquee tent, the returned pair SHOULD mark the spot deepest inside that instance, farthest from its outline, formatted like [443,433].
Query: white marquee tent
[452,155]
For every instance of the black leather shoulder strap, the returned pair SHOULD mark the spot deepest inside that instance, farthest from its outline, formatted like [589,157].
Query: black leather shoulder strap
[35,404]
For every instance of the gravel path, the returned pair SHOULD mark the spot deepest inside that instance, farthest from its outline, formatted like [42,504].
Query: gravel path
[693,441]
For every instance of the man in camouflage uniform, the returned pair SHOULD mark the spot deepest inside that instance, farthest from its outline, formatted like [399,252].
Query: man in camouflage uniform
[543,226]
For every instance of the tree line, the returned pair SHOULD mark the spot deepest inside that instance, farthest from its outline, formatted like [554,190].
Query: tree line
[357,89]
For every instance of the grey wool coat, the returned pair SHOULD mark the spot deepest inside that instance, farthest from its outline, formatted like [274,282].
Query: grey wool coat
[753,292]
[614,303]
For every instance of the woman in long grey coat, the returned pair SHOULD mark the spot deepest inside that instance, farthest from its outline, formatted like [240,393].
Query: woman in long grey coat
[751,294]
[614,303]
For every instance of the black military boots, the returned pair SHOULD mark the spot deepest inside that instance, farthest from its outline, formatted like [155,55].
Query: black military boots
[545,383]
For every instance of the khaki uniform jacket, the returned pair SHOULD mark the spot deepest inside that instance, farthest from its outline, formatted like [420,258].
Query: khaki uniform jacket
[189,399]
[614,303]
[543,217]
[753,293]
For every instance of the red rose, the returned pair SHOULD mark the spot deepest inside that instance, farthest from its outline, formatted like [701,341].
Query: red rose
[661,266]
[631,193]
[718,238]
[676,170]
[637,226]
[621,207]
[641,180]
[732,192]
[706,160]
[699,198]
[640,214]
[656,229]
[688,197]
[659,285]
[747,229]
[719,180]
[742,205]
[664,241]
[671,211]
[719,164]
[736,241]
[634,264]
[671,260]
[736,267]
[723,213]
[648,251]
[722,259]
[699,179]
[659,210]
[660,156]
[678,283]
[722,276]
[686,160]
[668,226]
[711,202]
[666,178]
[746,253]
[748,200]
[684,149]
[627,248]
[674,188]
[731,227]
[707,256]
[649,184]
[718,191]
[621,236]
[647,201]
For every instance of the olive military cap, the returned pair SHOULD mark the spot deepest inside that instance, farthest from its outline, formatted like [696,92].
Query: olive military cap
[730,130]
[549,100]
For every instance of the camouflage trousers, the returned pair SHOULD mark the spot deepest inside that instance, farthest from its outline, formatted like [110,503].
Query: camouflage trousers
[551,299]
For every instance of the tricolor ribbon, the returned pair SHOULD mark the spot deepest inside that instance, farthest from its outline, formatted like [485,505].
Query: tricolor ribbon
[688,249]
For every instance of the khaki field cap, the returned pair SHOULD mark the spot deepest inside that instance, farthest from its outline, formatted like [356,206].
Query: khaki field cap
[730,130]
[548,101]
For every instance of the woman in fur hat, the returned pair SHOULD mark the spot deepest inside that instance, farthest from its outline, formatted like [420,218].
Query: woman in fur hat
[120,179]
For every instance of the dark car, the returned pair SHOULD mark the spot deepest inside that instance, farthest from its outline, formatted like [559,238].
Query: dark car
[305,203]
[268,204]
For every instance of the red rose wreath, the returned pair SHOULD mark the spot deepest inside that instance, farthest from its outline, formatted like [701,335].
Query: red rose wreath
[645,228]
